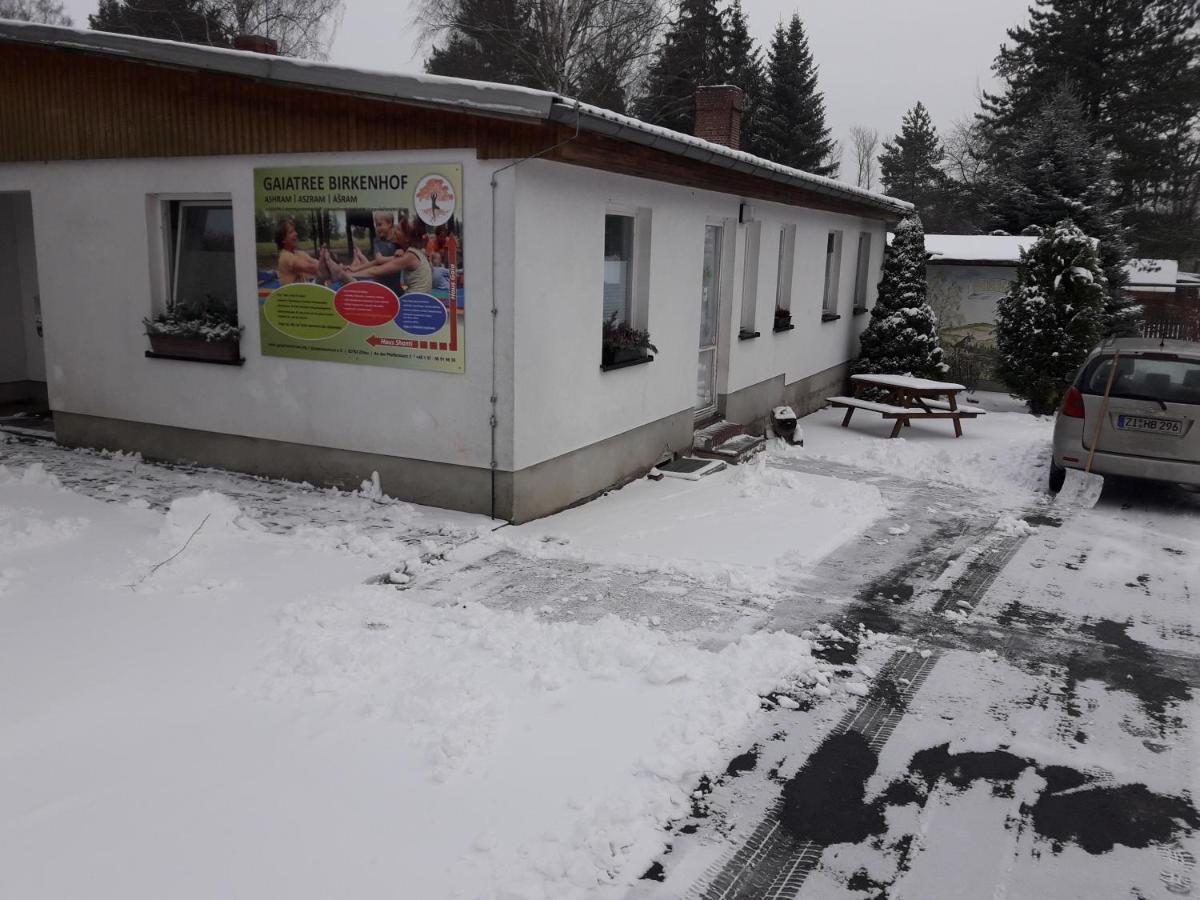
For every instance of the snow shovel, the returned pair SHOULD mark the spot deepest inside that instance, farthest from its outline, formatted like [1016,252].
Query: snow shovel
[1081,490]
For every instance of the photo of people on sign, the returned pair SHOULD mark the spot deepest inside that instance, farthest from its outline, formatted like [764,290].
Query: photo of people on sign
[362,264]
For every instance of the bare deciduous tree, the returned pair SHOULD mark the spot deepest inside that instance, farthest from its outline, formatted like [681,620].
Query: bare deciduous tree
[865,142]
[300,27]
[588,48]
[966,152]
[47,12]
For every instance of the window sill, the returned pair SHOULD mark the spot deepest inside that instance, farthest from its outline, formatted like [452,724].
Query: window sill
[744,335]
[860,310]
[829,317]
[625,364]
[780,328]
[150,354]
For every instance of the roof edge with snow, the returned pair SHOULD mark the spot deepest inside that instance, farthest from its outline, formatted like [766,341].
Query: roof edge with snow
[478,97]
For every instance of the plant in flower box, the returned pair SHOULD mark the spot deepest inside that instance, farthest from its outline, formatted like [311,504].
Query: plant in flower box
[620,343]
[783,319]
[209,332]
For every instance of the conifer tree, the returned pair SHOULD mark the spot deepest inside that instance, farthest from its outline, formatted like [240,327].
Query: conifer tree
[1135,66]
[744,67]
[911,168]
[1051,316]
[792,129]
[189,21]
[692,53]
[1057,171]
[902,337]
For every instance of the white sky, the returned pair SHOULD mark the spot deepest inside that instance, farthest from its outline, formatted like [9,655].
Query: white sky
[876,57]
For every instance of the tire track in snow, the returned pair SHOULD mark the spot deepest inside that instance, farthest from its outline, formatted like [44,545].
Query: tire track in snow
[772,864]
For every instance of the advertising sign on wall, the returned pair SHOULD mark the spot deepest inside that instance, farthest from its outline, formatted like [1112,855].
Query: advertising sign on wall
[362,264]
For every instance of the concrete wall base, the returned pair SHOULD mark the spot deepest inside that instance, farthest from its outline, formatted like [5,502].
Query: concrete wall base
[752,406]
[32,392]
[530,493]
[582,474]
[807,395]
[420,481]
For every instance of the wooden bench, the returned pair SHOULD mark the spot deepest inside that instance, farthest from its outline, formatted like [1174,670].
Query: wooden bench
[904,414]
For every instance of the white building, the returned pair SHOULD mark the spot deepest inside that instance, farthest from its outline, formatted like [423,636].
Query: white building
[137,176]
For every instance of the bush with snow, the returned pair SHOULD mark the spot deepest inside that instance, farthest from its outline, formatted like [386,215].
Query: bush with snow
[1051,316]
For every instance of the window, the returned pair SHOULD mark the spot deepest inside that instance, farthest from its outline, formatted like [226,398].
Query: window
[618,268]
[861,272]
[783,277]
[200,247]
[833,264]
[750,278]
[624,336]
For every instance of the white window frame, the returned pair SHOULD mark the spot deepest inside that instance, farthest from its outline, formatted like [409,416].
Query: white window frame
[750,268]
[164,245]
[833,266]
[787,264]
[862,271]
[639,275]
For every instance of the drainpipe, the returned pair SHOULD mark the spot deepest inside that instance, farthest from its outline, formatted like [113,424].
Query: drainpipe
[492,420]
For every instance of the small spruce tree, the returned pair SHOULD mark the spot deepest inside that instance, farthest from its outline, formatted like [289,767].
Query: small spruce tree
[902,337]
[1051,316]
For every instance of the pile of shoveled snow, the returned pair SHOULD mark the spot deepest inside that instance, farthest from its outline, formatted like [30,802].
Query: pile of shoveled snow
[197,707]
[575,742]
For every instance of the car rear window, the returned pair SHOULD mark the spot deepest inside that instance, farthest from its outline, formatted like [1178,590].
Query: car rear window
[1165,377]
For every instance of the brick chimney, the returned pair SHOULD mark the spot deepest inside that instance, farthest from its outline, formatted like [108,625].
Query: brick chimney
[256,43]
[719,114]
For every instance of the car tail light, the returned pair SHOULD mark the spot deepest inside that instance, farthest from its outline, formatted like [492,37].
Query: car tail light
[1072,405]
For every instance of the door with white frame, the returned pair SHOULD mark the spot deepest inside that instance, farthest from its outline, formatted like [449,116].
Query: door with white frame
[710,303]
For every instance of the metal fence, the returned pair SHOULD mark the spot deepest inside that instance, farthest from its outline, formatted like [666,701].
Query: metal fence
[1183,329]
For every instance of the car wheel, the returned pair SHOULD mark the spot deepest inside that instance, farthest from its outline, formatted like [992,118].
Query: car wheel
[1057,476]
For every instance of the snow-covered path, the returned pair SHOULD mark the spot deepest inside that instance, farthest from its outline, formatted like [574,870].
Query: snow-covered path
[1049,750]
[930,677]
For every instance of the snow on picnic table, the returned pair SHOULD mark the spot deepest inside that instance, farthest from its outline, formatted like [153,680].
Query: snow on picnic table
[253,719]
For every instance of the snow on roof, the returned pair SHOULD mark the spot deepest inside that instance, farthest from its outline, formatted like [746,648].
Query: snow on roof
[1164,272]
[435,90]
[698,148]
[977,248]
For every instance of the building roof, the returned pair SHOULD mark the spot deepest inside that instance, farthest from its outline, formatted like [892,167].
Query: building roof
[977,249]
[475,97]
[1152,272]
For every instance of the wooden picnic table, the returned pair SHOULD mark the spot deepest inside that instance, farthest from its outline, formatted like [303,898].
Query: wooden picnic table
[907,399]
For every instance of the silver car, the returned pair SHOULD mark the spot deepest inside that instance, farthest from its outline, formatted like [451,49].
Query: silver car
[1151,428]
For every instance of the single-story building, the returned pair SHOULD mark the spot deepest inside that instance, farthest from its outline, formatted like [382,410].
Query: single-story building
[450,283]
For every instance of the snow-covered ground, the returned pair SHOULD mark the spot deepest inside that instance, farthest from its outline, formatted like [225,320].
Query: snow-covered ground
[1002,454]
[214,685]
[196,706]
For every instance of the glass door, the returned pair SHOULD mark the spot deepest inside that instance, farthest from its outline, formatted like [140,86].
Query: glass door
[710,292]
